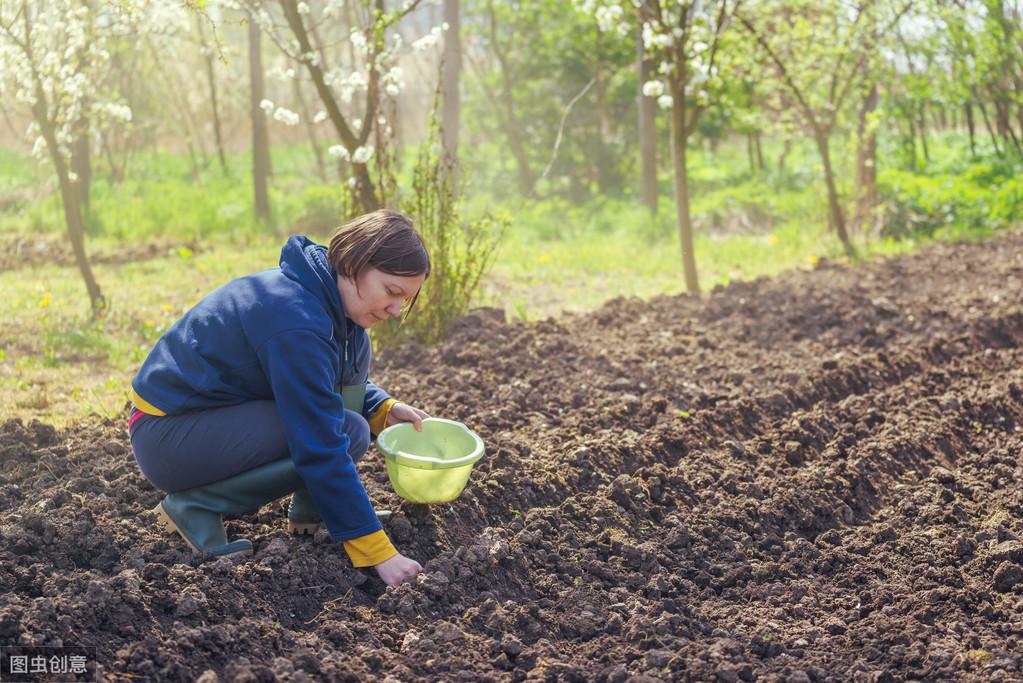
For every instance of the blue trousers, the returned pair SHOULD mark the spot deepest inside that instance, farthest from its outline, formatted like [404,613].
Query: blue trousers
[179,452]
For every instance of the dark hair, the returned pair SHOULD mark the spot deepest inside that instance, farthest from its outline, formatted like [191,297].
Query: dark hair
[386,240]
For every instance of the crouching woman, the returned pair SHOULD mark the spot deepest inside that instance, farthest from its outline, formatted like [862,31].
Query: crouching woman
[262,390]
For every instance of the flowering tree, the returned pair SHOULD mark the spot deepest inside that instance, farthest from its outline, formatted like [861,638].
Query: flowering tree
[353,92]
[684,36]
[798,50]
[55,58]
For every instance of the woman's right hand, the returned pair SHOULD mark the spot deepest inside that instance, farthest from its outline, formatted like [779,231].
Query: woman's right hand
[398,569]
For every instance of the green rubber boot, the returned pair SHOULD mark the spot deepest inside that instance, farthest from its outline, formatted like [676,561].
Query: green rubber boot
[197,514]
[303,519]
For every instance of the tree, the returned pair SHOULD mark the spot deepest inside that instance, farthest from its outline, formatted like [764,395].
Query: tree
[985,43]
[647,121]
[260,137]
[801,41]
[211,79]
[530,59]
[55,60]
[353,95]
[451,99]
[686,37]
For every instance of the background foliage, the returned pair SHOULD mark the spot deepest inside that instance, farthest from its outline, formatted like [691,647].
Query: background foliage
[540,210]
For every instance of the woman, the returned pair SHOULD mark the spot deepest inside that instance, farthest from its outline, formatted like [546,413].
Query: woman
[262,390]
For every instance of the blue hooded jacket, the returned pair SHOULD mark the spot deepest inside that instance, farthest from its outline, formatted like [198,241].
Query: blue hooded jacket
[279,335]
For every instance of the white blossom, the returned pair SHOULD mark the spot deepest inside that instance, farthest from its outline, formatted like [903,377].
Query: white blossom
[358,40]
[664,101]
[266,105]
[286,116]
[64,54]
[338,151]
[362,154]
[279,73]
[264,20]
[608,17]
[333,8]
[119,112]
[358,80]
[320,117]
[427,41]
[653,89]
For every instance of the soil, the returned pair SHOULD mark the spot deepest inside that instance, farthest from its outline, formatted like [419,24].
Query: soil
[814,477]
[23,251]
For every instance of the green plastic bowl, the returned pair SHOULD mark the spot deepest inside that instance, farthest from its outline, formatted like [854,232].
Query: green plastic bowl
[431,466]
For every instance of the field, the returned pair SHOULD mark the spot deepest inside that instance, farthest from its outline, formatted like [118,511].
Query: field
[813,477]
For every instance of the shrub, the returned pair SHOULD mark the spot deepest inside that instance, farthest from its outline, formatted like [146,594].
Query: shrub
[460,251]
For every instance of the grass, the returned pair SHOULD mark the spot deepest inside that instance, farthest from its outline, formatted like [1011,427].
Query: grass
[58,364]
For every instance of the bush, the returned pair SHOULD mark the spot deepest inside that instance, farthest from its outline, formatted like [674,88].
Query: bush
[984,196]
[460,252]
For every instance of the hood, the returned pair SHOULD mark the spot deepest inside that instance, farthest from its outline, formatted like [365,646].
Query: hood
[305,262]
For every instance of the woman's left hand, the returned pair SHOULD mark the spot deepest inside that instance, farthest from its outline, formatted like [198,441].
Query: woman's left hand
[403,412]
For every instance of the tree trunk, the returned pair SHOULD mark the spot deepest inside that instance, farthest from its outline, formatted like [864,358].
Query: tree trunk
[678,162]
[603,173]
[451,90]
[116,172]
[647,126]
[866,160]
[184,113]
[505,108]
[1005,124]
[837,219]
[527,178]
[783,157]
[922,128]
[260,137]
[365,193]
[81,162]
[911,138]
[971,128]
[1001,118]
[69,195]
[758,150]
[987,125]
[212,81]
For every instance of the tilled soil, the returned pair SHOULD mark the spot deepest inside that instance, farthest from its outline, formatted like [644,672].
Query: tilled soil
[23,251]
[814,477]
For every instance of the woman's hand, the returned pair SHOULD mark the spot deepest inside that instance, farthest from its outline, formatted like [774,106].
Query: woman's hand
[397,569]
[403,412]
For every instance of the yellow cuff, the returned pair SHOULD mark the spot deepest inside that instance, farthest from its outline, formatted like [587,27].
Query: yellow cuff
[142,404]
[369,550]
[378,420]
